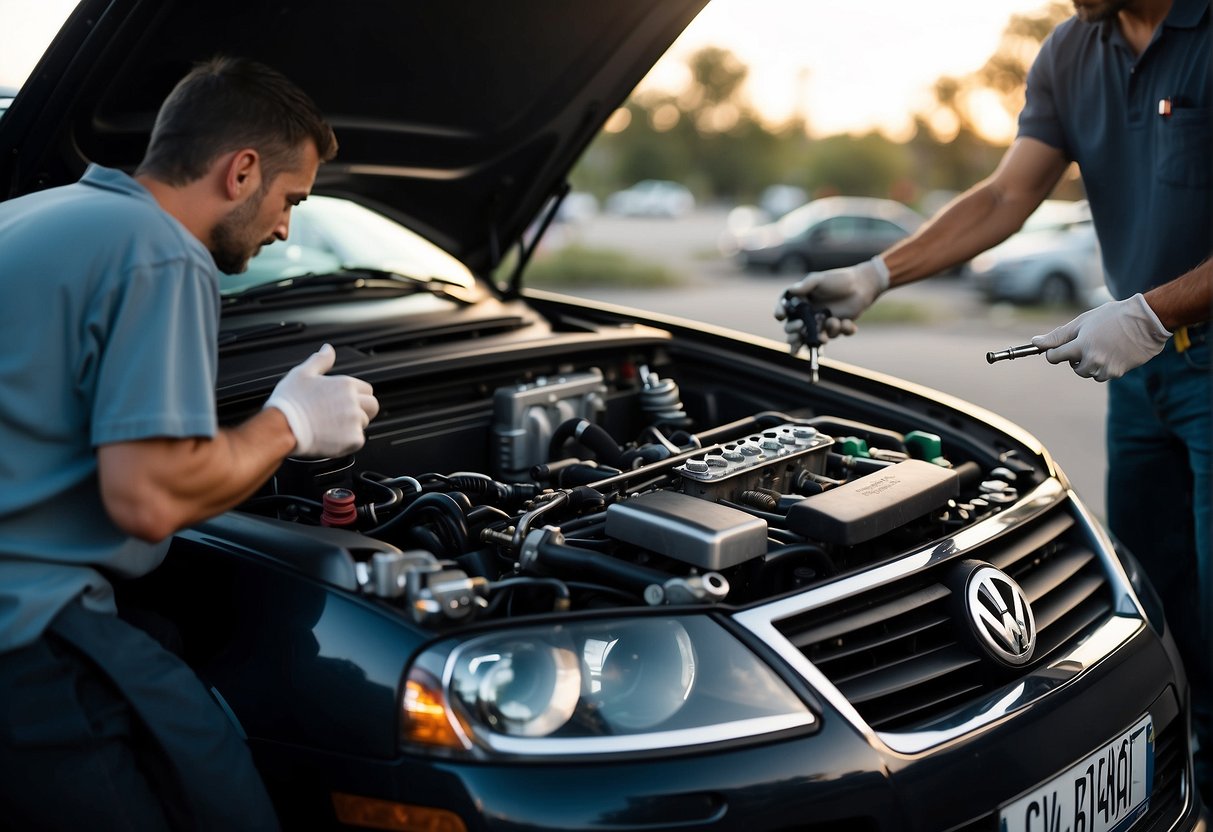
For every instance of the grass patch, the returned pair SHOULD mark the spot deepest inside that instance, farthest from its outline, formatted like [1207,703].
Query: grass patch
[891,311]
[576,266]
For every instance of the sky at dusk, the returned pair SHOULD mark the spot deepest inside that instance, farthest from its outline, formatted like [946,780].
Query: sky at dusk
[847,66]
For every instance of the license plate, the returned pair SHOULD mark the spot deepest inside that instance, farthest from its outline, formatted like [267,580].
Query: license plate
[1106,792]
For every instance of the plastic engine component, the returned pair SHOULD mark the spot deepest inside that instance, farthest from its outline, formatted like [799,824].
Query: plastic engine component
[872,505]
[691,530]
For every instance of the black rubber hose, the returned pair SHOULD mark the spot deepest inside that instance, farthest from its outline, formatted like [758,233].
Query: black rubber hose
[444,508]
[501,589]
[604,446]
[583,498]
[813,554]
[479,485]
[570,561]
[483,515]
[424,538]
[759,499]
[578,475]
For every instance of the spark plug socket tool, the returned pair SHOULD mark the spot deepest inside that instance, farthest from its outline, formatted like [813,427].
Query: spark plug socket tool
[1013,352]
[814,319]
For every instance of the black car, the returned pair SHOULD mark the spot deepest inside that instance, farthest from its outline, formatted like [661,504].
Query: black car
[595,570]
[826,233]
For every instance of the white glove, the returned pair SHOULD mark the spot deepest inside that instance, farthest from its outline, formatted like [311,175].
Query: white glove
[327,414]
[846,292]
[1107,341]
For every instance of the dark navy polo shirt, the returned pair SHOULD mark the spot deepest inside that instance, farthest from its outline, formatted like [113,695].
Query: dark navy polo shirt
[1139,128]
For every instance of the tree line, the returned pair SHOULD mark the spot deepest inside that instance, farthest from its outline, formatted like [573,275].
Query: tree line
[710,138]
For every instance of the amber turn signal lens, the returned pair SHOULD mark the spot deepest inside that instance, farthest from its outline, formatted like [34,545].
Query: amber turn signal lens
[368,812]
[425,717]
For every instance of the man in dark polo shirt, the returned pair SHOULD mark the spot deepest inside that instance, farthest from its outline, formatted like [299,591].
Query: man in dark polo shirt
[1124,89]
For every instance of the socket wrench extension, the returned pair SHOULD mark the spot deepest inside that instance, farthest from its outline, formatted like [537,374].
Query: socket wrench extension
[1013,352]
[814,319]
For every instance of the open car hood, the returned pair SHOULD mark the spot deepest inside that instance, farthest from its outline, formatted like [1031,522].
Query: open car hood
[458,118]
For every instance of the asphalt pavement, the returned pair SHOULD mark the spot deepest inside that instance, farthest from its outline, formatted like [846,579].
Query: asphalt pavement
[934,333]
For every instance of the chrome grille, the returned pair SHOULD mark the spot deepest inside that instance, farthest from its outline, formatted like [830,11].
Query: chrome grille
[897,652]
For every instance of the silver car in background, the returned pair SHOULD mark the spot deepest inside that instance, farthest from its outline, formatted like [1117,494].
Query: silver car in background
[1053,260]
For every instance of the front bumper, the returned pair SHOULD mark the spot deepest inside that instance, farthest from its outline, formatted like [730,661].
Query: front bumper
[842,773]
[838,777]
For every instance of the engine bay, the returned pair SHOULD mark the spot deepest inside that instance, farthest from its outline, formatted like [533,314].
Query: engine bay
[600,487]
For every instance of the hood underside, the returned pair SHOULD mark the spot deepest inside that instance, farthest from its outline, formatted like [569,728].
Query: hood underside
[458,118]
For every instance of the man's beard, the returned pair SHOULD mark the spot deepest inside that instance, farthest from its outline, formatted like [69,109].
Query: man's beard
[1098,12]
[232,241]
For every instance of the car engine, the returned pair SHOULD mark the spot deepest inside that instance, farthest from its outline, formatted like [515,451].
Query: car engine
[572,516]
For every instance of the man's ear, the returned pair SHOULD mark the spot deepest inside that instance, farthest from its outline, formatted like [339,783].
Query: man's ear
[243,174]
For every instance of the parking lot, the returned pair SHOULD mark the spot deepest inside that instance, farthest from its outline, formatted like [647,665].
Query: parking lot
[935,333]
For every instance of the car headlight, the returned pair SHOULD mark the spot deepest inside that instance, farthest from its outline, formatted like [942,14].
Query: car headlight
[595,687]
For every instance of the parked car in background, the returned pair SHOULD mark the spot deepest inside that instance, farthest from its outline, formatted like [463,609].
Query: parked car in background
[1053,260]
[774,202]
[777,200]
[596,569]
[7,94]
[652,198]
[826,233]
[577,207]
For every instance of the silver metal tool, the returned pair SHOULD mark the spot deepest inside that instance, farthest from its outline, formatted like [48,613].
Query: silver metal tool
[1013,352]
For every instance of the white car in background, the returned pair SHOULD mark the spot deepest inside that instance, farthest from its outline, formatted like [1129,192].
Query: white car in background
[1053,260]
[652,198]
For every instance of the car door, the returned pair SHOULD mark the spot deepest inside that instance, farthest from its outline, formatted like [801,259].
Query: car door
[838,241]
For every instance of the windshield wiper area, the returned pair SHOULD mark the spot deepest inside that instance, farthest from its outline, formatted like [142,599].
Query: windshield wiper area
[350,283]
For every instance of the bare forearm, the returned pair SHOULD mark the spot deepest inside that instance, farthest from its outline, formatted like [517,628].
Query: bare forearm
[154,487]
[969,225]
[1186,300]
[980,218]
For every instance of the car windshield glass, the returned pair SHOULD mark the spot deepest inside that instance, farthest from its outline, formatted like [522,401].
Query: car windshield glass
[798,221]
[329,234]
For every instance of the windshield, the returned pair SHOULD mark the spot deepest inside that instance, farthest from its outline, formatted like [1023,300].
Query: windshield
[797,222]
[329,234]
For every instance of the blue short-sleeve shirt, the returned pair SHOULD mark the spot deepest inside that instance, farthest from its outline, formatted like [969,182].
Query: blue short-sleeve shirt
[1140,129]
[109,310]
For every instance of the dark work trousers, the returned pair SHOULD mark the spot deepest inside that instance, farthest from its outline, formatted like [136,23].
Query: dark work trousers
[1160,502]
[102,728]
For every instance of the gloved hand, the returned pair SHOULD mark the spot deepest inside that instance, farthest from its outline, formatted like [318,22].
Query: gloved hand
[1107,341]
[846,292]
[327,414]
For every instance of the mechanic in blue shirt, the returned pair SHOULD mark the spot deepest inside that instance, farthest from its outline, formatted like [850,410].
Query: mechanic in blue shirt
[1124,89]
[109,444]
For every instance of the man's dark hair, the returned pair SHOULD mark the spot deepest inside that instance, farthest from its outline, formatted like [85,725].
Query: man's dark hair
[225,104]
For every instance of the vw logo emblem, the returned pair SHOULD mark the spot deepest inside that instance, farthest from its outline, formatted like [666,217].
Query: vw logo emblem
[1000,616]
